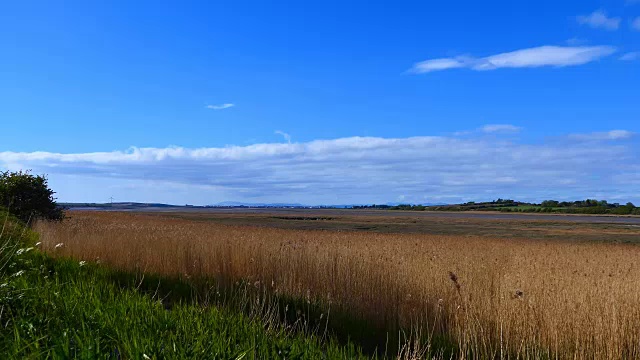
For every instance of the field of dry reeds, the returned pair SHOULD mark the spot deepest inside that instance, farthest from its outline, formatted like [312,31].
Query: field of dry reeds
[488,297]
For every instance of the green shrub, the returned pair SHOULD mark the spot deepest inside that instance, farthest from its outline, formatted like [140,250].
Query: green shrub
[28,196]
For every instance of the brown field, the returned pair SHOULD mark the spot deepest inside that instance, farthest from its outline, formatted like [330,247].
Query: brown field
[528,226]
[500,288]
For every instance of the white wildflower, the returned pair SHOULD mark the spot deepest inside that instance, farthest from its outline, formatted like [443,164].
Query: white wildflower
[18,273]
[145,356]
[39,243]
[22,251]
[82,263]
[59,245]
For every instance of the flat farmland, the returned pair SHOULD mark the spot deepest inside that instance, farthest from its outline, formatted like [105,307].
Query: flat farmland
[614,229]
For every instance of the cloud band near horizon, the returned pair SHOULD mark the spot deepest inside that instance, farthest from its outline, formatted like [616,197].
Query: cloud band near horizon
[359,170]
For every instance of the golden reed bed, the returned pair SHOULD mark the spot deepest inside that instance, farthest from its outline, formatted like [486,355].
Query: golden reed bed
[493,297]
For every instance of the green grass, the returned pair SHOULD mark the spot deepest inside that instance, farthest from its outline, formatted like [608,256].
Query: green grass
[57,308]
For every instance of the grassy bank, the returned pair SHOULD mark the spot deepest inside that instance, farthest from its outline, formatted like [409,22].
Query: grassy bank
[64,308]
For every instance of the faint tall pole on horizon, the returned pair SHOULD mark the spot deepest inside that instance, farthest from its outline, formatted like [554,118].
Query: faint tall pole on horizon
[111,198]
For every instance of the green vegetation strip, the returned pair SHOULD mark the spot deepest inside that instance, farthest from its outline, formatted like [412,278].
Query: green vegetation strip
[589,206]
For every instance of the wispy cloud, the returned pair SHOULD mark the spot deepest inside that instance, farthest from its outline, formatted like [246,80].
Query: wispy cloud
[355,169]
[603,136]
[221,106]
[500,128]
[599,20]
[556,56]
[574,41]
[631,56]
[635,24]
[286,136]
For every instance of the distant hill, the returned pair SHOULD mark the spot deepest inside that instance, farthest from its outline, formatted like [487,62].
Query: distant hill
[229,204]
[236,204]
[116,205]
[422,204]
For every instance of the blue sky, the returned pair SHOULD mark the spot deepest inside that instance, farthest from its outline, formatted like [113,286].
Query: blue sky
[323,102]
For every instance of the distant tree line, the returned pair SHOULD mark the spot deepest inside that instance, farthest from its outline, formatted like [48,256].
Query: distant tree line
[588,206]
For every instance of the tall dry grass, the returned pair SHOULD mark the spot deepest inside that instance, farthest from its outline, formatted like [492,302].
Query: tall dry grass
[492,297]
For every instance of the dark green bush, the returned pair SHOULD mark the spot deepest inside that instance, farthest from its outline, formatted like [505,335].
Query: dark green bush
[28,196]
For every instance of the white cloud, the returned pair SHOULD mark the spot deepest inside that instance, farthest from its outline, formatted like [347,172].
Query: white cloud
[347,170]
[221,106]
[500,128]
[440,64]
[635,24]
[286,136]
[557,56]
[602,136]
[631,56]
[599,20]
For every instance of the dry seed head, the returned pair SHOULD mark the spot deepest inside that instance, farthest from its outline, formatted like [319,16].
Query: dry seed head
[454,278]
[518,294]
